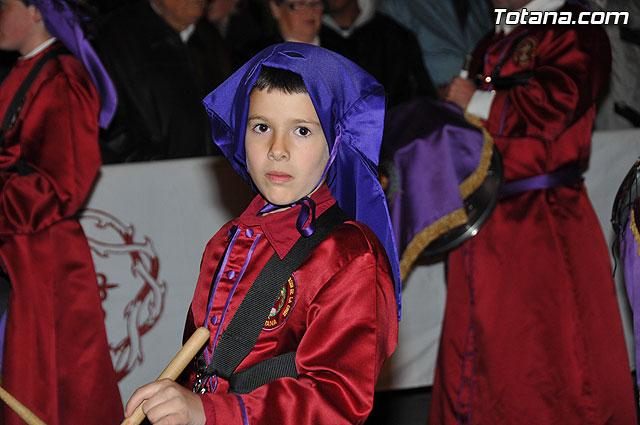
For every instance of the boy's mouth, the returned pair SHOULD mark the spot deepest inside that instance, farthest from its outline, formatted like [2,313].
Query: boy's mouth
[279,177]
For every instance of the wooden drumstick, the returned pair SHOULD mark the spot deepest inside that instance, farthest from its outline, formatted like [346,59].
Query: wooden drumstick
[21,410]
[175,367]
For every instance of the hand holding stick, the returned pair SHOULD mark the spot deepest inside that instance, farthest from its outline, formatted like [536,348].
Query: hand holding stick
[175,367]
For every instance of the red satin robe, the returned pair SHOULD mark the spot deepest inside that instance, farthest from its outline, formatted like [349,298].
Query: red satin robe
[56,355]
[338,311]
[532,331]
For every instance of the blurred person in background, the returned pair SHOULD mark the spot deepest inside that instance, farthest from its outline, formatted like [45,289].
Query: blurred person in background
[257,24]
[219,13]
[380,45]
[532,330]
[298,20]
[56,358]
[246,26]
[144,47]
[209,54]
[447,31]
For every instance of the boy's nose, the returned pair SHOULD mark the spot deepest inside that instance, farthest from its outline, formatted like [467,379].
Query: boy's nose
[278,151]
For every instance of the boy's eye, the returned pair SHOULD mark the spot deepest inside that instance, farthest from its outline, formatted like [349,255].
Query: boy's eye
[302,131]
[261,128]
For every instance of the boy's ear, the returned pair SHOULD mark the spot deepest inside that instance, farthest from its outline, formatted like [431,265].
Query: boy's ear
[275,10]
[35,13]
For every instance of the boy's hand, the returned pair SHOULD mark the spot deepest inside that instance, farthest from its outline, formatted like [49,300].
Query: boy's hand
[460,91]
[168,404]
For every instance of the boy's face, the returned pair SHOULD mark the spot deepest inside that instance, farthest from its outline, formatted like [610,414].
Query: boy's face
[285,145]
[15,21]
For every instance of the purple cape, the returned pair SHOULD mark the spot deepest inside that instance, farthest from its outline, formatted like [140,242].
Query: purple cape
[434,159]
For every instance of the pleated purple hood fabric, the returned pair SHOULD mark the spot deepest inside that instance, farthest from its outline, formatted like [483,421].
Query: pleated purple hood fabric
[350,104]
[64,24]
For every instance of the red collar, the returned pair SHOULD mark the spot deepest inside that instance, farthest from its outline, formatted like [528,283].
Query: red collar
[280,227]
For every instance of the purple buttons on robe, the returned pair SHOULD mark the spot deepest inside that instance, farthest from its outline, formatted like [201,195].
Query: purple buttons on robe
[214,320]
[248,233]
[231,274]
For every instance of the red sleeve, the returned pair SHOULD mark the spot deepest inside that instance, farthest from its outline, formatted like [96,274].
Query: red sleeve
[58,140]
[352,329]
[570,69]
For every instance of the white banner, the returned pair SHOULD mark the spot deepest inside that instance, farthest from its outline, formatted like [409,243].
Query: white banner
[147,225]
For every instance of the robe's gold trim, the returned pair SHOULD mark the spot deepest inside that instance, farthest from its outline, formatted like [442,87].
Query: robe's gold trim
[428,235]
[475,179]
[457,217]
[634,229]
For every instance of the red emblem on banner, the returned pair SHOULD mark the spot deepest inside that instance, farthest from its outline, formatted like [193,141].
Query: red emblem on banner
[282,308]
[128,278]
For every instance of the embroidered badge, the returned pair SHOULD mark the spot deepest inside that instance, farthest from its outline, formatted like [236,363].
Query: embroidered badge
[525,52]
[282,308]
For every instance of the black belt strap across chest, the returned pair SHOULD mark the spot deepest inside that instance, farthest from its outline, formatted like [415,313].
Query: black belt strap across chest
[239,338]
[13,110]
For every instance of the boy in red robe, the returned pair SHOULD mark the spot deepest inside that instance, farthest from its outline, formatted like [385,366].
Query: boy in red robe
[303,125]
[56,356]
[532,331]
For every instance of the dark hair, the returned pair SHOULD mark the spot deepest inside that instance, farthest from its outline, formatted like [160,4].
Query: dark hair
[279,79]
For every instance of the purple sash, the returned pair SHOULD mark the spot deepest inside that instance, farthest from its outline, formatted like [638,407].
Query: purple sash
[563,177]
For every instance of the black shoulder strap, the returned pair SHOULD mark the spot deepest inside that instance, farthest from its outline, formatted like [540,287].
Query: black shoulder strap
[246,380]
[238,340]
[11,115]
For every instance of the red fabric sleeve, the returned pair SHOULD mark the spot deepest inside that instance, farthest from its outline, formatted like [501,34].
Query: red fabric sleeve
[351,329]
[58,134]
[567,78]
